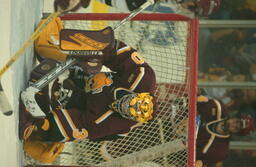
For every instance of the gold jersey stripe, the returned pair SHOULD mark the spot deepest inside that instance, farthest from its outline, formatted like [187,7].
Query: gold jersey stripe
[219,113]
[69,119]
[207,146]
[124,49]
[138,79]
[123,135]
[61,128]
[212,133]
[131,128]
[104,116]
[117,89]
[136,125]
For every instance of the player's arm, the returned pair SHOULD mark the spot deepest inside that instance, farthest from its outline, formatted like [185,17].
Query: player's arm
[122,58]
[133,71]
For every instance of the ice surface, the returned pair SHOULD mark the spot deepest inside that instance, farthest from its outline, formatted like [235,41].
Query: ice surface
[18,20]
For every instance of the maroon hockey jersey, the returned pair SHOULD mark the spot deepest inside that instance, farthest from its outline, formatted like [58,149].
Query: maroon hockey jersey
[211,147]
[95,120]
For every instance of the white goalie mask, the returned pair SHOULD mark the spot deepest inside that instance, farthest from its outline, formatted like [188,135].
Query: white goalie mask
[135,106]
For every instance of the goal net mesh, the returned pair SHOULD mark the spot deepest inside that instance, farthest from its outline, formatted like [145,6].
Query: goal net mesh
[168,42]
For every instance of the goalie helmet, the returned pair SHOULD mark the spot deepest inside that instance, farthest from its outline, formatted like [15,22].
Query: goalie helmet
[135,106]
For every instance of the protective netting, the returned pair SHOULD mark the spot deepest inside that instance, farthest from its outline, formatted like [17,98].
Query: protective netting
[169,44]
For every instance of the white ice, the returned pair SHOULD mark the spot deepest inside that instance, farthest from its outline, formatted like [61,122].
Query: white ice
[18,20]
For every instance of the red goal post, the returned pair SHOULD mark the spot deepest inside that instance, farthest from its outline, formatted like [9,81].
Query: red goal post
[169,43]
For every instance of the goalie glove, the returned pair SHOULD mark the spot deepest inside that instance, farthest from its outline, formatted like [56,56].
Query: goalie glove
[70,5]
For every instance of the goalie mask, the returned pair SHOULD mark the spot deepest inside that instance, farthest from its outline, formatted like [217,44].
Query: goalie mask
[135,106]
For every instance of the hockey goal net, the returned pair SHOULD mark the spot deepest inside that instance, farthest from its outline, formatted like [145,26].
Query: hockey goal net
[168,42]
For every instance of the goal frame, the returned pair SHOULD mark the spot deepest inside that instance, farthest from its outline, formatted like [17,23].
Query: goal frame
[192,52]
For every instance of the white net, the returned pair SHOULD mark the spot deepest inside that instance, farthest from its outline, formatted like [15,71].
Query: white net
[169,46]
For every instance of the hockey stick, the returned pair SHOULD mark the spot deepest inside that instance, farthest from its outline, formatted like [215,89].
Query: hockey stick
[134,13]
[5,106]
[33,37]
[27,43]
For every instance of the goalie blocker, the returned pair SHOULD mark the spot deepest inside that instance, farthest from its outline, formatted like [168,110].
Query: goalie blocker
[91,44]
[87,46]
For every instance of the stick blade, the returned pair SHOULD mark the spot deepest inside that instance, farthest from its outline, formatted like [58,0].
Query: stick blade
[5,106]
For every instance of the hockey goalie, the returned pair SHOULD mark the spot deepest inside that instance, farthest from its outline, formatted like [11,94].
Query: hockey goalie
[84,102]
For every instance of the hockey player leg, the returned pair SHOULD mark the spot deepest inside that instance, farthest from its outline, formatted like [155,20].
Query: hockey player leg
[31,115]
[29,124]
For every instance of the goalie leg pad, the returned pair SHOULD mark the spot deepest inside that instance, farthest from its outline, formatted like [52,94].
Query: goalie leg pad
[47,45]
[28,124]
[42,151]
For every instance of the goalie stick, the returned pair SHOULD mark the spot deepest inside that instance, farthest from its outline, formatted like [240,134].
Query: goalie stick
[34,36]
[4,103]
[5,106]
[27,43]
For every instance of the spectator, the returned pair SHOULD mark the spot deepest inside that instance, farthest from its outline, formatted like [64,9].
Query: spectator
[235,9]
[218,125]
